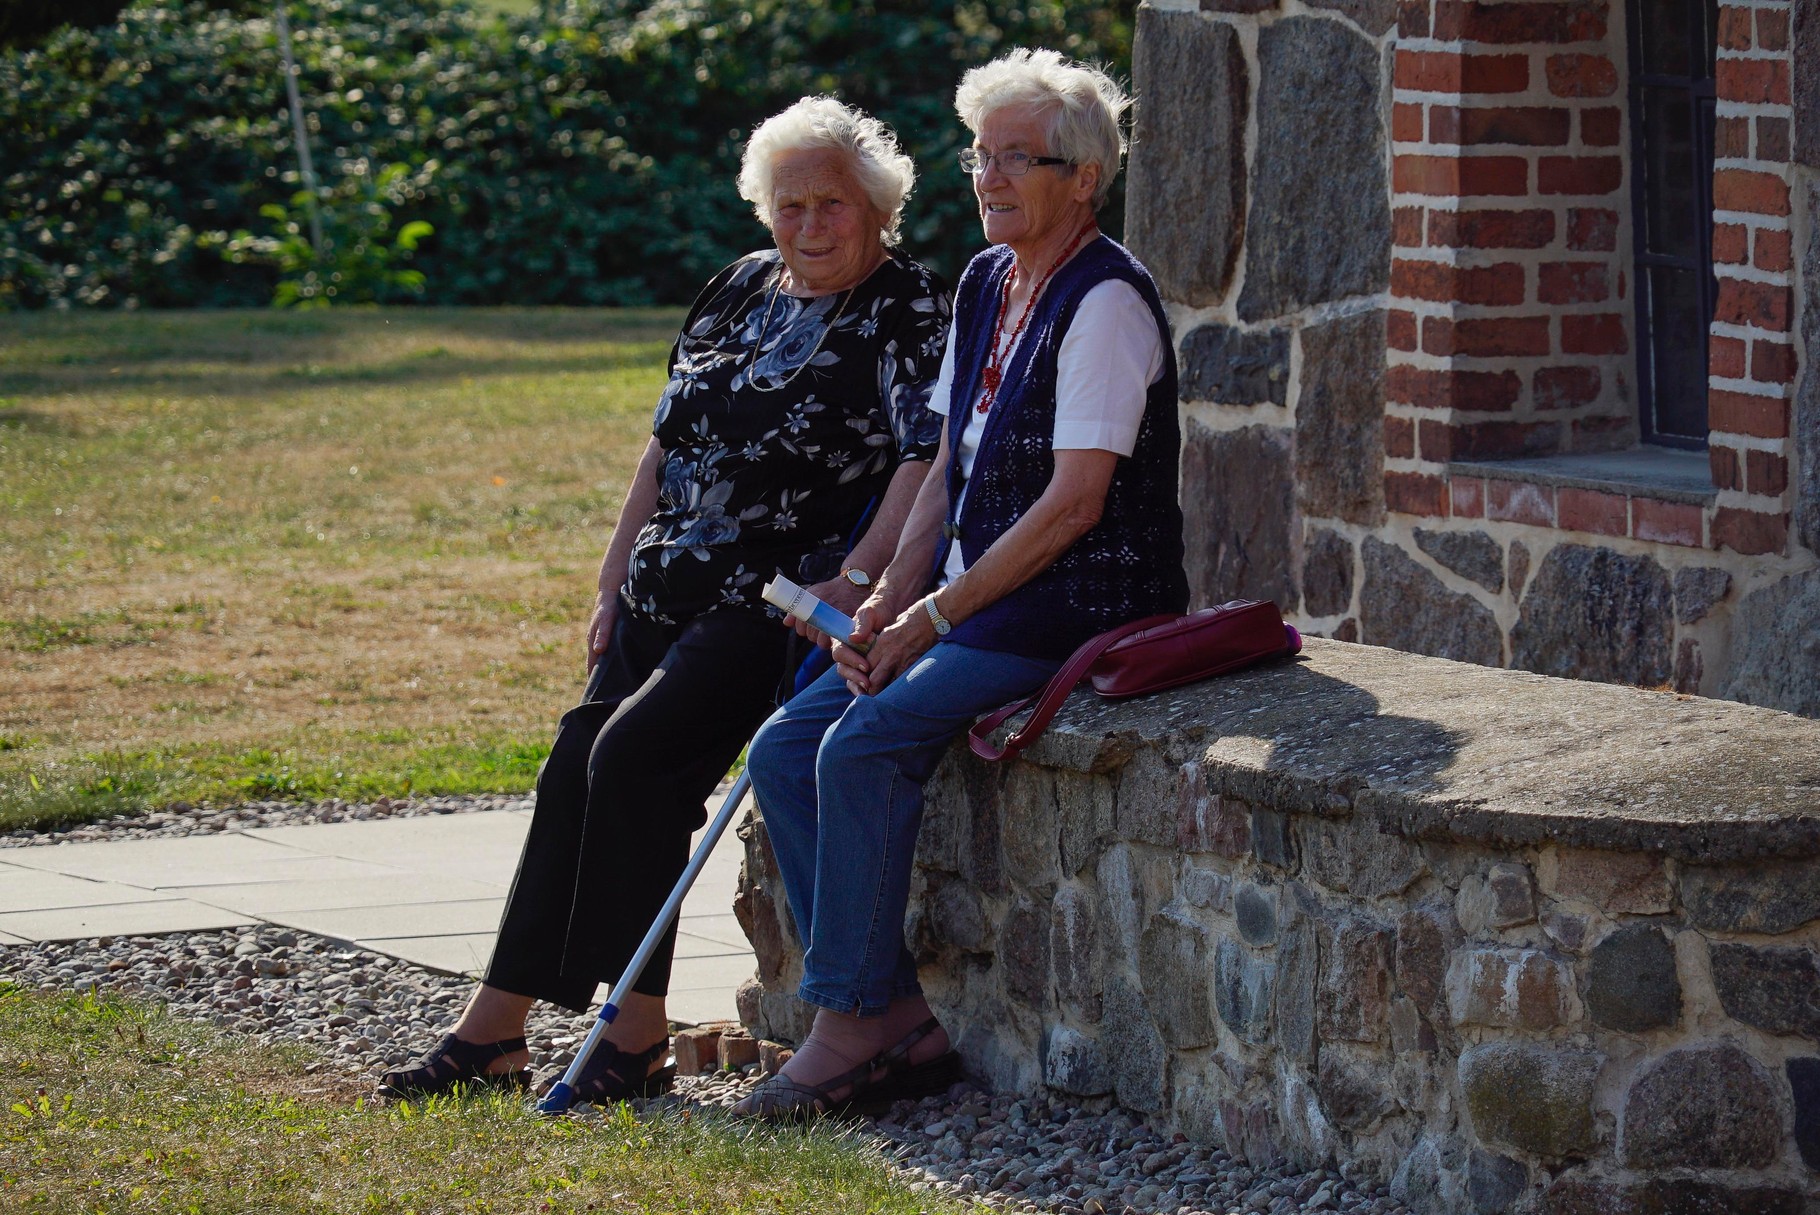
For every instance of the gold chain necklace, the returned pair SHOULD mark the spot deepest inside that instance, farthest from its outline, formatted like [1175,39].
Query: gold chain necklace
[765,324]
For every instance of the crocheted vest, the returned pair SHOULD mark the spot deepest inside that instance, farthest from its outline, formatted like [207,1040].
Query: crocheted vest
[1130,563]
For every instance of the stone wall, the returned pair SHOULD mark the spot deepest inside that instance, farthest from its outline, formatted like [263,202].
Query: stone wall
[1395,241]
[1519,944]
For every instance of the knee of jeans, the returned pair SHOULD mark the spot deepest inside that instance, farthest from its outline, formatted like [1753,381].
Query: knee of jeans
[764,755]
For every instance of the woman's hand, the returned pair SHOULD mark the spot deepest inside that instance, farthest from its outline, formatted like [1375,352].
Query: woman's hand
[838,594]
[889,652]
[600,626]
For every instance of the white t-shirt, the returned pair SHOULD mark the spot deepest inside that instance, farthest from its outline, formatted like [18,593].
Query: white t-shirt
[1108,360]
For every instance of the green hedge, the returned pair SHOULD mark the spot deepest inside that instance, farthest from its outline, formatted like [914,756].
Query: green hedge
[582,155]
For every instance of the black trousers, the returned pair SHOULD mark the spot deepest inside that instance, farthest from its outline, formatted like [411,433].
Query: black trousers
[666,712]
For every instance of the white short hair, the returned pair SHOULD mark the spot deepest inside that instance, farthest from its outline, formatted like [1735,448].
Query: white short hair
[881,167]
[1085,107]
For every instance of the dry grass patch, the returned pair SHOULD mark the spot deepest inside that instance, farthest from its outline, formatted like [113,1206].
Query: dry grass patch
[351,540]
[110,1106]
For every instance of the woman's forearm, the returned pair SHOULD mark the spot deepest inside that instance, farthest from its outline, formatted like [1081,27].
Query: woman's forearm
[875,549]
[907,577]
[640,502]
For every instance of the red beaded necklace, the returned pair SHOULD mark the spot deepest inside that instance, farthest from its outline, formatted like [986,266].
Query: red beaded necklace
[994,375]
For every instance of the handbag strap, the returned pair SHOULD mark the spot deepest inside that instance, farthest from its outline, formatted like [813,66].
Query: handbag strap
[1053,694]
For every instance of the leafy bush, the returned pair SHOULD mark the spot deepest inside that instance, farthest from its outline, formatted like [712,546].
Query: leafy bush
[584,154]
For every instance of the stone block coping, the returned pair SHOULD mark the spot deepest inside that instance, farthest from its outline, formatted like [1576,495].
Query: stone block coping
[1661,473]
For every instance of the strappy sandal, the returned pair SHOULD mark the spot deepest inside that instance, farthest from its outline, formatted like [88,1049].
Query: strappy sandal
[613,1074]
[453,1062]
[903,1079]
[781,1099]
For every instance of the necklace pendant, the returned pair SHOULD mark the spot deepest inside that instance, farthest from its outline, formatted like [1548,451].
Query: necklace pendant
[992,376]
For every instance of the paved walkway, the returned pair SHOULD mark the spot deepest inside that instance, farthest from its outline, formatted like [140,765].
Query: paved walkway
[428,890]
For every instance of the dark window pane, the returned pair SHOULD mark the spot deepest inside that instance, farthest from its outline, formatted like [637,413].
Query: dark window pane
[1668,173]
[1677,344]
[1708,33]
[1665,37]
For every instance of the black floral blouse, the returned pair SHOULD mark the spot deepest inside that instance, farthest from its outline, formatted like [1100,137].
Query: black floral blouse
[783,421]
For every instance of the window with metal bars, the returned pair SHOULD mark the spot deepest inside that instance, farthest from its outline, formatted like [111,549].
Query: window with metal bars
[1671,121]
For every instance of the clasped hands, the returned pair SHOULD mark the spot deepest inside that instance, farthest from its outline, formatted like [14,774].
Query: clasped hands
[887,638]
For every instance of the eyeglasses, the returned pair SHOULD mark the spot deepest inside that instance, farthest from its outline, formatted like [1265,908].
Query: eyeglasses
[1011,164]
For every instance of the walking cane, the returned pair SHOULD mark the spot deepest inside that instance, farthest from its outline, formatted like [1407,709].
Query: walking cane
[804,606]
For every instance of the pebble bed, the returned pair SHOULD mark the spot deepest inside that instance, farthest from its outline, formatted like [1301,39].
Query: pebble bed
[178,821]
[366,1012]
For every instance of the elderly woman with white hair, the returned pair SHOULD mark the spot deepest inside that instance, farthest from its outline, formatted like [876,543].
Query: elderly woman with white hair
[1054,519]
[796,415]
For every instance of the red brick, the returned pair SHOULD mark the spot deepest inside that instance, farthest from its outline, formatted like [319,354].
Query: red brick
[1406,123]
[1520,502]
[1579,174]
[1400,329]
[1592,229]
[1601,333]
[1460,176]
[1495,285]
[1399,438]
[1565,387]
[1491,229]
[1731,139]
[1478,391]
[1745,190]
[1731,244]
[1581,76]
[1725,357]
[1602,428]
[1665,522]
[1740,413]
[1406,227]
[1416,494]
[1572,283]
[1766,473]
[1468,498]
[1588,510]
[1772,29]
[1448,72]
[1772,362]
[1765,305]
[1772,138]
[1528,126]
[1752,81]
[1455,21]
[1734,32]
[1601,128]
[1746,531]
[1412,18]
[1727,469]
[1773,250]
[1486,337]
[1488,440]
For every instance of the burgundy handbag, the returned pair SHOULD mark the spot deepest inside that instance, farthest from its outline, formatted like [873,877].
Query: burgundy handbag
[1150,655]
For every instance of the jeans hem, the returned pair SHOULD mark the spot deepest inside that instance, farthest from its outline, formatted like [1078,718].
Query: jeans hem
[844,1006]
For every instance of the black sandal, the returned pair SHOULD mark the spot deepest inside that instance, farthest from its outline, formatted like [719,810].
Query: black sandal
[613,1074]
[903,1079]
[781,1099]
[453,1062]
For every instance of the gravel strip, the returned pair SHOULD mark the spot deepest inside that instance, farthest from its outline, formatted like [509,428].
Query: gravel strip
[179,821]
[367,1012]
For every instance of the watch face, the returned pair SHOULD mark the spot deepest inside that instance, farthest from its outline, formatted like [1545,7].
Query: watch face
[857,577]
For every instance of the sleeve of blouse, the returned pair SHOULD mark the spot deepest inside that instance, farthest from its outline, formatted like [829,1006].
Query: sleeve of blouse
[910,360]
[1110,356]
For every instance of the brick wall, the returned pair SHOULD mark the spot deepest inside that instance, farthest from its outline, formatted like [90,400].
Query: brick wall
[1511,324]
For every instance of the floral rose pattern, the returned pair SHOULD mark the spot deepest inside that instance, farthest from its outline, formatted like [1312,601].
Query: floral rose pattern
[782,423]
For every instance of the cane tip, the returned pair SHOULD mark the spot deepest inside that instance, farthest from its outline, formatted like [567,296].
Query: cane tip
[557,1100]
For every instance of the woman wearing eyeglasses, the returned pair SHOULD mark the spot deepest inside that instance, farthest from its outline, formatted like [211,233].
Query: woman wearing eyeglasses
[1052,517]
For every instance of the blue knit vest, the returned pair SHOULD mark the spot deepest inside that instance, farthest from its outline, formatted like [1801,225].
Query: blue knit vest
[1130,563]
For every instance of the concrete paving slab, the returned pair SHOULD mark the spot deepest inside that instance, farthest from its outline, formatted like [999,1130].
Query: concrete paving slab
[37,890]
[476,847]
[122,920]
[699,1007]
[720,926]
[370,925]
[7,938]
[456,955]
[688,945]
[325,894]
[197,861]
[721,971]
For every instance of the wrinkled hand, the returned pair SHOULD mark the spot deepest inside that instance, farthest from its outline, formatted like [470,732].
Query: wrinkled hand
[890,651]
[600,627]
[838,594]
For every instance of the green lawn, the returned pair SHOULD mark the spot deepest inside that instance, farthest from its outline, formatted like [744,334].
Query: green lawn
[265,554]
[108,1106]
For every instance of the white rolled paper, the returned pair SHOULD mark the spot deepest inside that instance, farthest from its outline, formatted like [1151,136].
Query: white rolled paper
[794,601]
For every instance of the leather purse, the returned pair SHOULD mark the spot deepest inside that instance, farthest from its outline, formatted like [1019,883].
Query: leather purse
[1149,655]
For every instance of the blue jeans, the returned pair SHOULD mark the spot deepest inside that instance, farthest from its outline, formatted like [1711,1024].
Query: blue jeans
[840,781]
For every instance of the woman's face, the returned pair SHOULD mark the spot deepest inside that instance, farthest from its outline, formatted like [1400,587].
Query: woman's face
[826,228]
[1048,204]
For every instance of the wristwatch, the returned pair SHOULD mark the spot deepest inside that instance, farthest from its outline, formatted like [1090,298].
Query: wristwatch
[942,627]
[858,577]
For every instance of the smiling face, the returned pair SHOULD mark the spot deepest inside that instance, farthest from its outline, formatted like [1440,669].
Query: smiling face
[826,228]
[1043,208]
